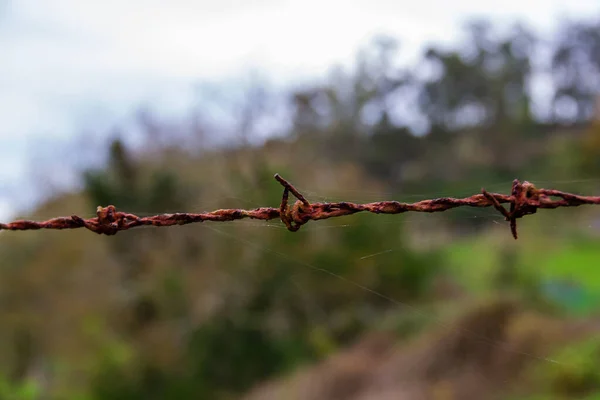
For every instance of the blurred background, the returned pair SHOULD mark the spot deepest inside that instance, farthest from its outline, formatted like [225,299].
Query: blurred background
[161,107]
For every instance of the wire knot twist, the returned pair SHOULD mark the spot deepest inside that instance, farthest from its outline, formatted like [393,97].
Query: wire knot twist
[297,215]
[525,199]
[108,221]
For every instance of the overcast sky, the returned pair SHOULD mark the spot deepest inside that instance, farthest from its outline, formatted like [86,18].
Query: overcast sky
[64,63]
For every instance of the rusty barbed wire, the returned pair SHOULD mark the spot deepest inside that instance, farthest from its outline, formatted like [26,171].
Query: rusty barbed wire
[525,199]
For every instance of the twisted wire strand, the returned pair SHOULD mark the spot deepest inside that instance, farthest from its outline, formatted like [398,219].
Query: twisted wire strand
[525,199]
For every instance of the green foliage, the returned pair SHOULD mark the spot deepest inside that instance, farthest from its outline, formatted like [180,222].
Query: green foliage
[25,390]
[576,375]
[123,185]
[231,355]
[589,151]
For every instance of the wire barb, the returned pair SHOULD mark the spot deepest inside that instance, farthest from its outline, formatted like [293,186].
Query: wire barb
[525,199]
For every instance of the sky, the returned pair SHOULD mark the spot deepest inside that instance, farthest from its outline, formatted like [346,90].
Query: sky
[66,65]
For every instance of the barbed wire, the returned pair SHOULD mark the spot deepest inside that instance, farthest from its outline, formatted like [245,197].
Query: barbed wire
[525,199]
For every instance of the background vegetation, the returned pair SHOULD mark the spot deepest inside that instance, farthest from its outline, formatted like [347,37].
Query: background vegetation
[216,310]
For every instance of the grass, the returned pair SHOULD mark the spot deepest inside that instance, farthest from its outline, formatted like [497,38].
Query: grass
[578,262]
[567,270]
[577,376]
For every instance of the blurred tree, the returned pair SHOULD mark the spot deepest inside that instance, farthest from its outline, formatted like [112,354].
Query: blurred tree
[588,148]
[130,185]
[122,185]
[484,84]
[350,104]
[576,72]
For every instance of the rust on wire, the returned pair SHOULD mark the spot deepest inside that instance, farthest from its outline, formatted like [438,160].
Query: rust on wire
[525,199]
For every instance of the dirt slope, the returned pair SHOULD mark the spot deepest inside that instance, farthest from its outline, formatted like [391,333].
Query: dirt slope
[483,357]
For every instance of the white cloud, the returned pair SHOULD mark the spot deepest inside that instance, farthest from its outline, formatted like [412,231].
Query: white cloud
[7,210]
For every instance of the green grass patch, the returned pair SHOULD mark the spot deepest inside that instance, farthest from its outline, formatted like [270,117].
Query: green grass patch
[575,376]
[567,272]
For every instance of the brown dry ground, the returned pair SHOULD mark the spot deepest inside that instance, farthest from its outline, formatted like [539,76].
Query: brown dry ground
[483,356]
